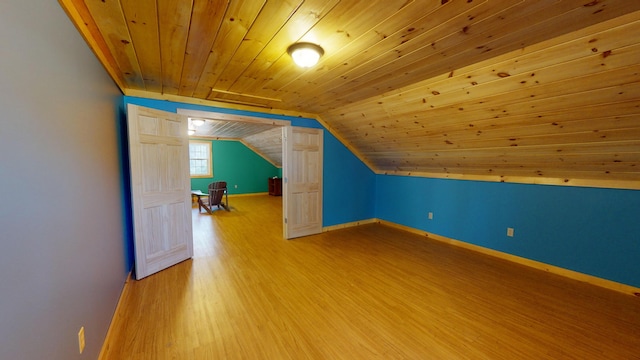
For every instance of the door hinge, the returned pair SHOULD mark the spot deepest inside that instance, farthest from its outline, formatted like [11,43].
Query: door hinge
[285,220]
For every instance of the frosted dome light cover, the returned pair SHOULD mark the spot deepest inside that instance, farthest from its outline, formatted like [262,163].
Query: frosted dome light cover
[305,55]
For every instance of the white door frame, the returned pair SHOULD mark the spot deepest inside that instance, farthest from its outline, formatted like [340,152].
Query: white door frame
[248,119]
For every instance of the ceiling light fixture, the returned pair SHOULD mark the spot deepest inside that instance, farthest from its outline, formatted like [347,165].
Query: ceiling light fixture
[197,122]
[305,54]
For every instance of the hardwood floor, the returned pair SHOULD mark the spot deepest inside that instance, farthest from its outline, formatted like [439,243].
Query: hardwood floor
[369,292]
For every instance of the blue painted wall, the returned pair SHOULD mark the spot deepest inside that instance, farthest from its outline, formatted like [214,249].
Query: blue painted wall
[127,205]
[239,166]
[589,230]
[349,185]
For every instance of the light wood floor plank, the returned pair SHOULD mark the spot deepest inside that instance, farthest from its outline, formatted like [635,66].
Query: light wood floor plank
[367,292]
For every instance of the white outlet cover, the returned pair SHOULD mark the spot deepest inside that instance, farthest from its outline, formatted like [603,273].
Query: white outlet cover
[510,232]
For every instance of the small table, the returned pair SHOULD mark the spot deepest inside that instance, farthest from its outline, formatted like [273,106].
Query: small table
[201,203]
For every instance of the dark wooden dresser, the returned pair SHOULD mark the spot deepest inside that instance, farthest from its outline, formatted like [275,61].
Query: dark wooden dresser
[275,186]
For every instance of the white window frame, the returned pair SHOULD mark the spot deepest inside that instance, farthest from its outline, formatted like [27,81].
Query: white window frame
[207,157]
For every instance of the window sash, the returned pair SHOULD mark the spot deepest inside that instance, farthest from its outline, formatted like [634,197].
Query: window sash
[200,159]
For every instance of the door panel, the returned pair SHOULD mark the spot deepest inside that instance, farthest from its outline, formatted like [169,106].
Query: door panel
[303,181]
[160,189]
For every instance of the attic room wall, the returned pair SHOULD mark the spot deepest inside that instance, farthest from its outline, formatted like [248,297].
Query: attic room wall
[62,264]
[236,164]
[348,185]
[593,231]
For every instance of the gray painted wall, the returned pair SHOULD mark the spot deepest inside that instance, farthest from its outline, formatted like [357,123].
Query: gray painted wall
[62,257]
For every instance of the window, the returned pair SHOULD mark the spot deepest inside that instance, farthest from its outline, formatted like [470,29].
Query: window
[200,163]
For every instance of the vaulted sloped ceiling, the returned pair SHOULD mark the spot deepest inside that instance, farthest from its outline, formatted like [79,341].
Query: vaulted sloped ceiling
[507,90]
[264,139]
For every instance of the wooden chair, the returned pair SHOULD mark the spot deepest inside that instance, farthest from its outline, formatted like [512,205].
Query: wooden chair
[217,190]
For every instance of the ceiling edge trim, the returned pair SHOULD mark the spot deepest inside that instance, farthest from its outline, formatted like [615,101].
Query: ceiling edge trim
[595,183]
[346,143]
[207,137]
[218,116]
[84,25]
[214,103]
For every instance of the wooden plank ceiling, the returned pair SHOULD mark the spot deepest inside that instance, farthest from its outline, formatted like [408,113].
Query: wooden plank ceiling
[264,139]
[500,90]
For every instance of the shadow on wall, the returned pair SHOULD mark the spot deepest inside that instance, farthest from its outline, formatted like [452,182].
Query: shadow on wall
[125,179]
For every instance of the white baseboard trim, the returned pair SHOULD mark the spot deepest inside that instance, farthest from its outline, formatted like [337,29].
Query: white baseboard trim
[590,279]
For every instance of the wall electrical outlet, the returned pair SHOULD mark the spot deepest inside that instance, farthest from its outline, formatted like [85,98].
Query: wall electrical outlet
[430,215]
[510,232]
[81,339]
[235,186]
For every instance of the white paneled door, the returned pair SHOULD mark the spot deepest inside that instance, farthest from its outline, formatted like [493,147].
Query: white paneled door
[160,189]
[303,181]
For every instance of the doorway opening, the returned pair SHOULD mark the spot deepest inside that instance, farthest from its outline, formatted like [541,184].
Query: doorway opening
[298,149]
